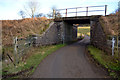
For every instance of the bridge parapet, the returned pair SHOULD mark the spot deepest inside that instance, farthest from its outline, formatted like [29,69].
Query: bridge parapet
[58,13]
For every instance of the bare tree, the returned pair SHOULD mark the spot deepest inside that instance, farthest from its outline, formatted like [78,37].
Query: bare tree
[54,11]
[39,15]
[50,14]
[55,14]
[31,8]
[58,15]
[22,14]
[54,7]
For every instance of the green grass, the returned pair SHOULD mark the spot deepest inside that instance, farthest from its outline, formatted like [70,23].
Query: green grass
[36,55]
[111,63]
[83,30]
[36,59]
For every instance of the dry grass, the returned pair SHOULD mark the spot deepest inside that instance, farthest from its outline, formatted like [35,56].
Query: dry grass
[110,24]
[22,28]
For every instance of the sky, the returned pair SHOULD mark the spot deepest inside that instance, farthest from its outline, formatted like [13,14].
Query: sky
[9,8]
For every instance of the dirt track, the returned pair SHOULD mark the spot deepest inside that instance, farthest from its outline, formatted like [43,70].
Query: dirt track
[69,62]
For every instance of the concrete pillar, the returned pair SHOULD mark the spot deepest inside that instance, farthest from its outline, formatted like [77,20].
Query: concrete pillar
[92,31]
[74,34]
[67,32]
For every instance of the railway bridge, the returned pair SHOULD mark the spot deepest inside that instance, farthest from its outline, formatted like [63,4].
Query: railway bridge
[63,30]
[70,16]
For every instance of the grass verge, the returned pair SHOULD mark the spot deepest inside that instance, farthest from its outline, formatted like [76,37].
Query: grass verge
[112,64]
[34,57]
[37,58]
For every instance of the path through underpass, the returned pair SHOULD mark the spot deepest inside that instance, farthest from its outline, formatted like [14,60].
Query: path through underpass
[69,62]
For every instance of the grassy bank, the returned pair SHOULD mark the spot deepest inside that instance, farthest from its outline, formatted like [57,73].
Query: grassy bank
[112,64]
[32,59]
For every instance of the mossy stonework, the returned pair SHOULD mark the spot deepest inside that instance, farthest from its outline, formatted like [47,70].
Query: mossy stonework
[98,37]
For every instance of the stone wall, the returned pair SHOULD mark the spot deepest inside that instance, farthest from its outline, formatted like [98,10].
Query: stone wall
[51,36]
[98,37]
[58,32]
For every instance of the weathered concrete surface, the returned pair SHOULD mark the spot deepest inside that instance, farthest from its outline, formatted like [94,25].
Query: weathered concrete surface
[69,62]
[67,31]
[51,36]
[58,32]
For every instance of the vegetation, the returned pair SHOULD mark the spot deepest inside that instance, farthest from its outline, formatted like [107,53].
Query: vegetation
[110,25]
[32,59]
[23,28]
[30,9]
[83,31]
[54,14]
[112,64]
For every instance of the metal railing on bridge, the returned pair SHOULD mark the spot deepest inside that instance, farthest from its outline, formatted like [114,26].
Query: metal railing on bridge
[75,11]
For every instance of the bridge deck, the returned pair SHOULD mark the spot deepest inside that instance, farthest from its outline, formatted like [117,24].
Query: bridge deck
[77,20]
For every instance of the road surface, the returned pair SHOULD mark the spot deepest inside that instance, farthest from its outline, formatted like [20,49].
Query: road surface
[69,62]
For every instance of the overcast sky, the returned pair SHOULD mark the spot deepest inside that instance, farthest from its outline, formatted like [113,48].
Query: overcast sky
[9,8]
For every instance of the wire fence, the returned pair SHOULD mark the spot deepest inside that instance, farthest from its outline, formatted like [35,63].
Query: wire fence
[20,48]
[114,44]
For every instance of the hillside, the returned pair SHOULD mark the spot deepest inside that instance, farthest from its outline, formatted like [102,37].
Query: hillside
[111,24]
[22,28]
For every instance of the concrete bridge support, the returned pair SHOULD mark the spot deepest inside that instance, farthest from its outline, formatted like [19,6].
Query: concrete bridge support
[67,32]
[98,37]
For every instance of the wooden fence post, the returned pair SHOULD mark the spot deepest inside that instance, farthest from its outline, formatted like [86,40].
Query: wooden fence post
[15,50]
[54,14]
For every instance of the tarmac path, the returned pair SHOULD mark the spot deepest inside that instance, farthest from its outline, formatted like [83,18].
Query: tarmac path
[69,62]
